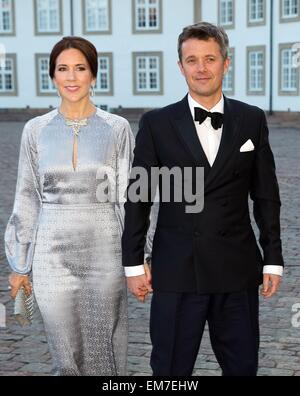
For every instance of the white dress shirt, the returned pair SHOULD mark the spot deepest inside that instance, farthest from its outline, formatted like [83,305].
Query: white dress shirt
[209,137]
[210,140]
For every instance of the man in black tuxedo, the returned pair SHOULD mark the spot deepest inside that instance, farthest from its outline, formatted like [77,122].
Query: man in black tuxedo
[206,266]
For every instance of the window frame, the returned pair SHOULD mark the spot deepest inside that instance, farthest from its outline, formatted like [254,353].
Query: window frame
[37,32]
[14,92]
[110,92]
[256,49]
[13,21]
[252,23]
[147,30]
[84,21]
[232,24]
[39,91]
[136,91]
[283,92]
[231,92]
[285,19]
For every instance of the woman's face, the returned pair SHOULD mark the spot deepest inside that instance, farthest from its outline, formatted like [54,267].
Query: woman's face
[73,77]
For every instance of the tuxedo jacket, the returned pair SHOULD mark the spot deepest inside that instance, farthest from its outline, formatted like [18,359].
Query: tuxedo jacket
[214,251]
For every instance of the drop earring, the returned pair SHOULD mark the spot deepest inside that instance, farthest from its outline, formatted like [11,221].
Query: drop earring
[92,91]
[57,91]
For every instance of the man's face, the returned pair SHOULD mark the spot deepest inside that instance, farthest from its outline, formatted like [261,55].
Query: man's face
[203,67]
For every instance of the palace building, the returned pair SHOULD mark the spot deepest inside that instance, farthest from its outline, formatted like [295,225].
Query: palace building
[137,45]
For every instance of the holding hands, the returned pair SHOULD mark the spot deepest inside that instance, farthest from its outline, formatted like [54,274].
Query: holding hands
[140,286]
[16,281]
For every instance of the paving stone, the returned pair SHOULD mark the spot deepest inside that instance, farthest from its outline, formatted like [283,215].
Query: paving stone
[4,350]
[138,352]
[140,374]
[279,353]
[207,373]
[267,362]
[5,356]
[11,366]
[31,358]
[289,365]
[206,365]
[37,368]
[274,372]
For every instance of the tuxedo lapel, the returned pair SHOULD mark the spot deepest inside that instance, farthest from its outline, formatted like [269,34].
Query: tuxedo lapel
[185,128]
[232,121]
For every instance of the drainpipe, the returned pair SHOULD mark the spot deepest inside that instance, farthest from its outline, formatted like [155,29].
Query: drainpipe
[271,56]
[72,17]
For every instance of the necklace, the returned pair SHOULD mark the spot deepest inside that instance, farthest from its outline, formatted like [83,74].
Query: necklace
[75,125]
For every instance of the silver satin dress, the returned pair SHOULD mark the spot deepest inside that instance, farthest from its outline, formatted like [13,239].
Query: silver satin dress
[65,231]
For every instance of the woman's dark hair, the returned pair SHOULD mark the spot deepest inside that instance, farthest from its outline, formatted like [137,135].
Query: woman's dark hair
[204,31]
[79,43]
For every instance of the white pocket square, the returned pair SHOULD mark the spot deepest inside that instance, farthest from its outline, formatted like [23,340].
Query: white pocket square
[248,146]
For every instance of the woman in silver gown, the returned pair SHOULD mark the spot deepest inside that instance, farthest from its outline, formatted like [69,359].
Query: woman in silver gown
[63,228]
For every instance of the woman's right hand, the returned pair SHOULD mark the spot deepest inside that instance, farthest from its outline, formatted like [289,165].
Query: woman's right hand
[16,281]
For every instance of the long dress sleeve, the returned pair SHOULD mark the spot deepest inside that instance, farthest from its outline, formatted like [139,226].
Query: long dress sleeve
[125,145]
[21,228]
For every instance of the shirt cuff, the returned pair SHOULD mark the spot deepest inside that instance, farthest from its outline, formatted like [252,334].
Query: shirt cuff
[273,269]
[134,271]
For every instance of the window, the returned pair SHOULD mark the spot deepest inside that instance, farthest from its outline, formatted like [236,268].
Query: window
[148,73]
[104,84]
[147,16]
[48,17]
[256,12]
[289,10]
[97,16]
[289,73]
[228,81]
[8,78]
[226,13]
[45,86]
[256,71]
[6,17]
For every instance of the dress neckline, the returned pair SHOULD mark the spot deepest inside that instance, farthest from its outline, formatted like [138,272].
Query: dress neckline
[77,120]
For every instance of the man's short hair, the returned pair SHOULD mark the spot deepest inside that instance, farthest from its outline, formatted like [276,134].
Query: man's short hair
[204,31]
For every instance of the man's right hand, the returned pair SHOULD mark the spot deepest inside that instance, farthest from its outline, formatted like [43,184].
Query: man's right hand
[140,285]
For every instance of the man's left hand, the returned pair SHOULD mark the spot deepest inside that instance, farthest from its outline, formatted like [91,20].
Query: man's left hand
[271,285]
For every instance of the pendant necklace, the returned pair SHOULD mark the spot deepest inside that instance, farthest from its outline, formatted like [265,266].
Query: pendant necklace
[75,125]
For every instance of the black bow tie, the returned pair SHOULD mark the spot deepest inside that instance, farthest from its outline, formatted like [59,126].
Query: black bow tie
[217,119]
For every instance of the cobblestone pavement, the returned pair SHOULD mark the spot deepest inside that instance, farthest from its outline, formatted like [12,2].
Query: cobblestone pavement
[23,351]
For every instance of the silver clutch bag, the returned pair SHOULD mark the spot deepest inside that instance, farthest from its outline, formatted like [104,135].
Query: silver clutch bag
[24,307]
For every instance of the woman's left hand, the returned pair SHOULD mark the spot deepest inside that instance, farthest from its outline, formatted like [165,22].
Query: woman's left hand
[148,276]
[16,281]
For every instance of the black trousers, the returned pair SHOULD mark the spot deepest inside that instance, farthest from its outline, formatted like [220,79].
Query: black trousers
[177,323]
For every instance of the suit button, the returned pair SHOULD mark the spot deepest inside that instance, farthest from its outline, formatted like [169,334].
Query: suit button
[222,233]
[236,173]
[225,203]
[197,234]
